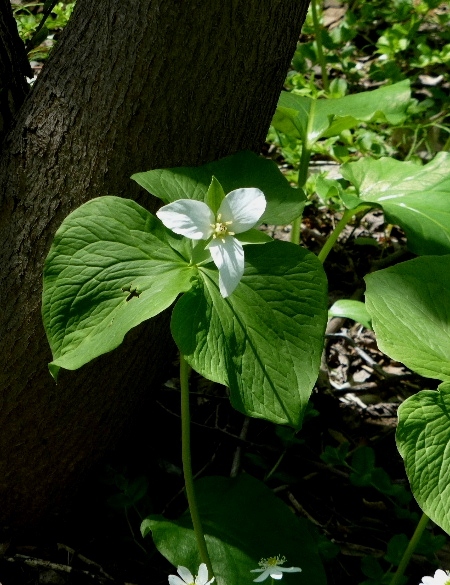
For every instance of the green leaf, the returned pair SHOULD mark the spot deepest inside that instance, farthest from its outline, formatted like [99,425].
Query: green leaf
[111,266]
[243,522]
[335,455]
[410,308]
[349,309]
[417,198]
[264,341]
[243,169]
[396,548]
[309,120]
[423,437]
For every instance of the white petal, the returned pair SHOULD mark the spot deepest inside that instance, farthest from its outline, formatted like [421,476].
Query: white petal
[262,577]
[188,217]
[228,255]
[243,207]
[290,569]
[276,575]
[186,575]
[202,577]
[440,578]
[174,580]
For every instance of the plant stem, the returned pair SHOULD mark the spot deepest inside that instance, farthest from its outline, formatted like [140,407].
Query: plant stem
[348,214]
[396,579]
[187,467]
[301,182]
[320,55]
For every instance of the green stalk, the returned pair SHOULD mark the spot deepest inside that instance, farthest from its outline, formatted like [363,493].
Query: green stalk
[348,214]
[320,55]
[187,466]
[396,579]
[301,182]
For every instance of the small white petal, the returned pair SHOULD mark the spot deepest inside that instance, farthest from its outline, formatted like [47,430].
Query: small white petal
[277,575]
[290,569]
[262,577]
[186,575]
[188,217]
[243,207]
[202,577]
[440,578]
[174,580]
[228,255]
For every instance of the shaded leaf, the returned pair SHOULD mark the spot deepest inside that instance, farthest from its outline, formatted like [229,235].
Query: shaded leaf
[243,522]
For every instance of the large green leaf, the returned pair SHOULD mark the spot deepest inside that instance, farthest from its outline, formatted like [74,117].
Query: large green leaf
[309,120]
[110,267]
[415,197]
[243,169]
[265,340]
[423,439]
[410,308]
[243,522]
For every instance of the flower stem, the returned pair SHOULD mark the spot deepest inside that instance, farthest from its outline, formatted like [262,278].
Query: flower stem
[397,578]
[345,219]
[348,214]
[301,181]
[320,55]
[187,467]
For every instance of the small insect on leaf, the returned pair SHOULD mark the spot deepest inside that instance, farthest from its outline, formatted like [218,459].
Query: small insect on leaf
[132,290]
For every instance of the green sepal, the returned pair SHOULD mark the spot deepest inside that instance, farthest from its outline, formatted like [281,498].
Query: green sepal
[253,236]
[215,195]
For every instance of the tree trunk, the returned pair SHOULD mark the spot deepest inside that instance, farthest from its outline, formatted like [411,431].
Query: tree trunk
[132,85]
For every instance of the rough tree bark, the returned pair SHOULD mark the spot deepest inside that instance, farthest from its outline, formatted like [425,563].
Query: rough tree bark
[132,85]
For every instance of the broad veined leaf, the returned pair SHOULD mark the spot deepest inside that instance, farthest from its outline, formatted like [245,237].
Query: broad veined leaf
[265,340]
[423,440]
[243,522]
[417,198]
[110,267]
[309,120]
[410,308]
[243,169]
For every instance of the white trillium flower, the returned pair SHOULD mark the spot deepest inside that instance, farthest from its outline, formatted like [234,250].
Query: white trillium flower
[239,211]
[440,578]
[271,568]
[188,579]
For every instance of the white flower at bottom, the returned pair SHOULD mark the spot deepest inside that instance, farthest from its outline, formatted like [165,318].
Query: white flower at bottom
[239,211]
[440,578]
[188,579]
[271,568]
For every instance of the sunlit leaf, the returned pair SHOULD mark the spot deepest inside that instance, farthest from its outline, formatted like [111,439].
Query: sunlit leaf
[243,169]
[265,340]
